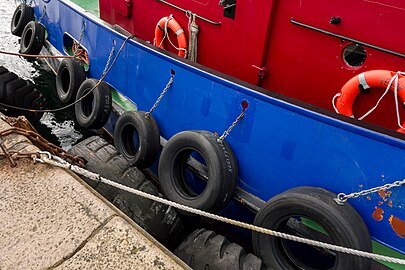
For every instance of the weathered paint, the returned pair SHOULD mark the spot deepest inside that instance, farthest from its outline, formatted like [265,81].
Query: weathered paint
[390,203]
[377,214]
[398,225]
[384,194]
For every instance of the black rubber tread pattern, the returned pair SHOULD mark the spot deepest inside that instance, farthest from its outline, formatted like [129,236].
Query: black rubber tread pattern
[203,249]
[221,169]
[32,38]
[3,70]
[69,77]
[20,93]
[94,110]
[159,220]
[23,14]
[343,224]
[134,123]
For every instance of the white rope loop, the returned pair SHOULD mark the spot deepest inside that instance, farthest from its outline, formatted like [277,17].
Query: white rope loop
[333,102]
[379,100]
[396,98]
[58,162]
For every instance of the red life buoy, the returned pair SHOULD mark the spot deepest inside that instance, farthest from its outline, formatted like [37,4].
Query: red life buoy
[170,23]
[366,80]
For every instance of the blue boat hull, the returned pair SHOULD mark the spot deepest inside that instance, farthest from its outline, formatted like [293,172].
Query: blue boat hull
[279,144]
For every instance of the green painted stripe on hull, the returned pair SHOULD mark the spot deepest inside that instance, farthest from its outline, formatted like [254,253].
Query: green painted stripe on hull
[383,250]
[124,103]
[91,6]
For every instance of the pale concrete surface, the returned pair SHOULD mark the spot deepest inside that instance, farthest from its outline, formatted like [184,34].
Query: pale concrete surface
[50,219]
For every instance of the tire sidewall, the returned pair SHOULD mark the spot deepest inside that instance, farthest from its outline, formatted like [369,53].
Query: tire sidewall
[76,75]
[36,40]
[26,14]
[171,163]
[148,136]
[100,107]
[342,222]
[228,164]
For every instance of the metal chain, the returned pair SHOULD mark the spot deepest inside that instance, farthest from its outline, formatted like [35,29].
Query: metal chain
[41,143]
[109,59]
[80,39]
[43,15]
[56,161]
[12,156]
[169,83]
[6,153]
[342,197]
[226,132]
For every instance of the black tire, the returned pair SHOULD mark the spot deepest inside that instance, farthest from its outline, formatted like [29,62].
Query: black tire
[17,92]
[69,77]
[32,38]
[137,138]
[204,249]
[94,110]
[221,169]
[23,14]
[161,221]
[341,224]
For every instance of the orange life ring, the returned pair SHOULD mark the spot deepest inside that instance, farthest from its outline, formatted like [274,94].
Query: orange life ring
[176,28]
[366,80]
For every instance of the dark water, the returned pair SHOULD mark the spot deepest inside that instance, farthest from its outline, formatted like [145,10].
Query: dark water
[59,128]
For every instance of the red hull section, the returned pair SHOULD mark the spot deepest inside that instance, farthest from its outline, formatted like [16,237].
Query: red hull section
[293,47]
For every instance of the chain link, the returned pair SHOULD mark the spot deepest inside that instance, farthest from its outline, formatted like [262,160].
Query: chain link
[169,83]
[109,59]
[6,153]
[226,132]
[12,156]
[56,161]
[342,197]
[80,39]
[42,143]
[22,126]
[43,15]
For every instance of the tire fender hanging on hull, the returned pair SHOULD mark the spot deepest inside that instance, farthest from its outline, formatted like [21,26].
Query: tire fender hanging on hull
[137,138]
[311,213]
[95,104]
[218,167]
[69,77]
[32,38]
[23,14]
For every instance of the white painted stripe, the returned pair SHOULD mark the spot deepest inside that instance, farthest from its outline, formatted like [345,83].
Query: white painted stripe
[362,81]
[179,32]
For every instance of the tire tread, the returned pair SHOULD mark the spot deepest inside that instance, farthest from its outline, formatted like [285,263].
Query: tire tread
[163,223]
[204,249]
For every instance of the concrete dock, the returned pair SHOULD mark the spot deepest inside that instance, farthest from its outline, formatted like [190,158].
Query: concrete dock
[51,219]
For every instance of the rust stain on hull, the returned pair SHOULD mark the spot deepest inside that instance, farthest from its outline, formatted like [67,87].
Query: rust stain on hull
[398,225]
[377,215]
[384,194]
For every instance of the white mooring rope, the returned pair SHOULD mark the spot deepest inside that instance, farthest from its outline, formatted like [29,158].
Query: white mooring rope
[58,162]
